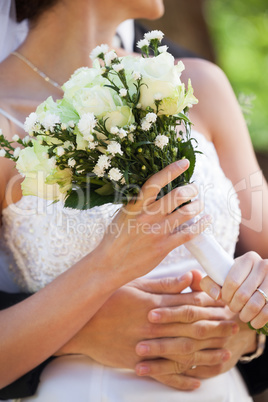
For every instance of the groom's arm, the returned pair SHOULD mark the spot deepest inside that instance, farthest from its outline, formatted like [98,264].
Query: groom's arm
[255,373]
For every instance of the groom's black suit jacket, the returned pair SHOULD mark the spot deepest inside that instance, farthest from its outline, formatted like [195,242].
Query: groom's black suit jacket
[254,373]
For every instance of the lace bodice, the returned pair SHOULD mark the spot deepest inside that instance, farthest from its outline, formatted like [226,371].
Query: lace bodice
[40,240]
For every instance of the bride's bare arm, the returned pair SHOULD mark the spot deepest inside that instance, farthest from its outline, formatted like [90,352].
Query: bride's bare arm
[36,328]
[219,117]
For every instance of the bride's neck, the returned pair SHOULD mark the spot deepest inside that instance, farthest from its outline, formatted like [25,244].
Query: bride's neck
[61,40]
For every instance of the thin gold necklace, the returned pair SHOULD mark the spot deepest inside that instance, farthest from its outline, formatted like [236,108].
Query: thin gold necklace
[36,70]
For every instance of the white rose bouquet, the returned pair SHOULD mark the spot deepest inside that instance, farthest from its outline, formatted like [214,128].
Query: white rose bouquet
[117,124]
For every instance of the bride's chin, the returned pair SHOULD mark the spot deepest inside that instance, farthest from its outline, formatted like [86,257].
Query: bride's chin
[150,10]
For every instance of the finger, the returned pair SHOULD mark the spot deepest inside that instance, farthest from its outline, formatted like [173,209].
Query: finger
[164,285]
[237,275]
[179,382]
[261,319]
[185,314]
[187,232]
[154,184]
[167,347]
[181,364]
[256,309]
[197,277]
[211,288]
[183,215]
[175,198]
[198,299]
[248,288]
[205,371]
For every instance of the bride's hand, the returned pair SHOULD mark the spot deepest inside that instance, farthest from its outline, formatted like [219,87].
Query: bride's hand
[146,230]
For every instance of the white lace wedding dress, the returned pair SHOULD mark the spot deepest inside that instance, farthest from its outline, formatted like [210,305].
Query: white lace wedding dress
[39,240]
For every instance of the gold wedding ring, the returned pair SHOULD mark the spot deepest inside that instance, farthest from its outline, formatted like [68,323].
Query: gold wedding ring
[263,294]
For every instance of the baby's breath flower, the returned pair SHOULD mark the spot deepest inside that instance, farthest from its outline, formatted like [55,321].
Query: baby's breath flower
[86,125]
[122,133]
[114,130]
[132,127]
[145,125]
[92,145]
[26,140]
[123,92]
[158,96]
[109,57]
[151,117]
[2,151]
[115,174]
[60,151]
[155,34]
[136,75]
[68,144]
[98,171]
[63,126]
[138,106]
[99,51]
[15,137]
[16,152]
[142,43]
[50,121]
[118,67]
[114,148]
[161,141]
[30,122]
[71,162]
[130,137]
[104,162]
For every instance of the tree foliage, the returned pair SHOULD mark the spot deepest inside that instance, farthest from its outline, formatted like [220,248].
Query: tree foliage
[240,33]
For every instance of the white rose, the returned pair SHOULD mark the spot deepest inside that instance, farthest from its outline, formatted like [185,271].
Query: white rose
[98,100]
[120,117]
[160,76]
[82,78]
[41,177]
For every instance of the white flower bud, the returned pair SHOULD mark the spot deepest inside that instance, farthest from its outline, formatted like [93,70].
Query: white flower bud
[123,92]
[15,138]
[16,152]
[60,151]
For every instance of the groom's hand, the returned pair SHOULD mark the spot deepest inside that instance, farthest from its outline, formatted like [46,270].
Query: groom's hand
[110,337]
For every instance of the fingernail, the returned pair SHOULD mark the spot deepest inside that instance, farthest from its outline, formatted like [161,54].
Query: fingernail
[214,293]
[142,350]
[196,384]
[143,370]
[154,316]
[183,163]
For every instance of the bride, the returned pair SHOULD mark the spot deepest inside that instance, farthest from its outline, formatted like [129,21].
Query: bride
[40,242]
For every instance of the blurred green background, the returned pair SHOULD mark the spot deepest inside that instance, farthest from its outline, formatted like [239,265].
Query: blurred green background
[234,35]
[239,33]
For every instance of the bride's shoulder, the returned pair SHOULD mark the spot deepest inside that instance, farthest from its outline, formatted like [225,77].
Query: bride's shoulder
[204,75]
[216,98]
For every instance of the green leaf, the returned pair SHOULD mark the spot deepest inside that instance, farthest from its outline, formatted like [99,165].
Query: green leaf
[84,200]
[186,150]
[107,189]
